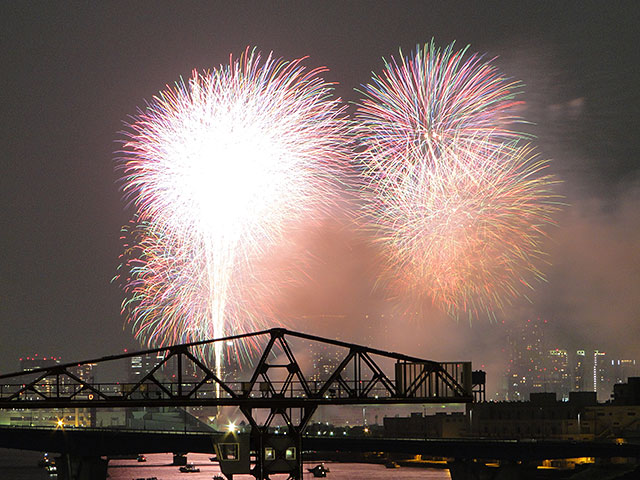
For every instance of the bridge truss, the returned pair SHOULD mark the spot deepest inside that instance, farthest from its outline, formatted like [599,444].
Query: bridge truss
[275,387]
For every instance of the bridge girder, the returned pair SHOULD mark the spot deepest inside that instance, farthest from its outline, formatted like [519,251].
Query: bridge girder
[358,379]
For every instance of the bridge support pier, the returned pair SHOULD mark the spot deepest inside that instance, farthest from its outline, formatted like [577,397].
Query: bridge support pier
[179,459]
[74,467]
[475,470]
[278,454]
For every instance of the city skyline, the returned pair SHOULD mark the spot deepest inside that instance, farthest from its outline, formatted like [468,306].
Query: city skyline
[75,73]
[532,364]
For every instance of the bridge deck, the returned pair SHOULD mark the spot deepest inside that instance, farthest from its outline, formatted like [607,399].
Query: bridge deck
[93,442]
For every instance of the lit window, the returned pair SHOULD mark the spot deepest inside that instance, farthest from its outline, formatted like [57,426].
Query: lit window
[269,453]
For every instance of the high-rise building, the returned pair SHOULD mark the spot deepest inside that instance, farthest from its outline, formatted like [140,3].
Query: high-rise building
[557,378]
[141,365]
[326,359]
[622,370]
[28,364]
[534,367]
[601,376]
[84,372]
[526,347]
[580,377]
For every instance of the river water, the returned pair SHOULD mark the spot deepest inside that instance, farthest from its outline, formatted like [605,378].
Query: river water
[22,465]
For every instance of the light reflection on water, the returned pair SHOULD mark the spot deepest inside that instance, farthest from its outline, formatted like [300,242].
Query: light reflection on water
[159,465]
[22,465]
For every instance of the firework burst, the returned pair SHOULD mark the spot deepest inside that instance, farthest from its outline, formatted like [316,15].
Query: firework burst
[458,205]
[434,98]
[219,169]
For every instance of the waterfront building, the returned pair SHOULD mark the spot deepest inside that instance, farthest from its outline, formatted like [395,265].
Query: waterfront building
[581,417]
[417,425]
[607,421]
[627,393]
[543,416]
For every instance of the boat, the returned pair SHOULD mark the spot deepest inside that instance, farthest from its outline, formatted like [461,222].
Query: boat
[44,461]
[142,458]
[218,477]
[189,468]
[391,464]
[319,471]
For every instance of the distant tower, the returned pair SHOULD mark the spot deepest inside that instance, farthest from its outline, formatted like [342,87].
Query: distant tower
[28,364]
[141,365]
[580,372]
[623,369]
[601,382]
[85,372]
[557,373]
[326,359]
[32,363]
[525,373]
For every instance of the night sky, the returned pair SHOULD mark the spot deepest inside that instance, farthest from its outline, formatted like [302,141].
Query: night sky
[73,72]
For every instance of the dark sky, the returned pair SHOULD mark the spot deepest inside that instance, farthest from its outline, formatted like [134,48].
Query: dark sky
[72,72]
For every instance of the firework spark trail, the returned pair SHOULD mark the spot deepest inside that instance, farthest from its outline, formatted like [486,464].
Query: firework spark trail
[219,169]
[458,205]
[433,98]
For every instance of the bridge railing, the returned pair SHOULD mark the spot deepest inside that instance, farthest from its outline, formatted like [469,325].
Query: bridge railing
[414,379]
[406,384]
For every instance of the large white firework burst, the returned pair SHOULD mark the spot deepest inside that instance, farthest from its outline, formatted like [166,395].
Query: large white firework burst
[219,168]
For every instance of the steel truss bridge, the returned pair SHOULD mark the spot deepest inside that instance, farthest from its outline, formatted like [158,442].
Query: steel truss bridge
[276,387]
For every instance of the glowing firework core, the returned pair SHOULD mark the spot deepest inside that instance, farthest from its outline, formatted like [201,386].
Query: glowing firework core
[218,169]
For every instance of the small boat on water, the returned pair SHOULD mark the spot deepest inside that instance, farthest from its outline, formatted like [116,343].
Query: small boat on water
[49,464]
[46,460]
[391,464]
[319,471]
[189,468]
[142,458]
